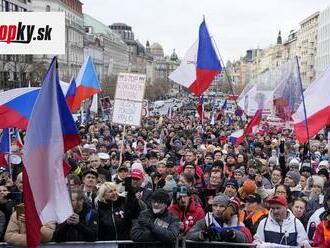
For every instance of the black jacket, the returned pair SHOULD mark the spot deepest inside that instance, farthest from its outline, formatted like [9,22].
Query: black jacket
[164,228]
[85,230]
[113,222]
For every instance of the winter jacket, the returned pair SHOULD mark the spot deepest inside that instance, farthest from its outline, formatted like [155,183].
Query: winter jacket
[16,232]
[291,232]
[134,206]
[201,225]
[113,223]
[252,221]
[85,230]
[313,222]
[189,218]
[322,235]
[150,227]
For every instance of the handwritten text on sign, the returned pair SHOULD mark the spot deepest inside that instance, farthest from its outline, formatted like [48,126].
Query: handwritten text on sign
[130,86]
[127,112]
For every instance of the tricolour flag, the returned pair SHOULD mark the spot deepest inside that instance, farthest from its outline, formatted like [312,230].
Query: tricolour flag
[317,102]
[51,132]
[16,107]
[287,95]
[70,95]
[87,84]
[200,64]
[237,137]
[4,147]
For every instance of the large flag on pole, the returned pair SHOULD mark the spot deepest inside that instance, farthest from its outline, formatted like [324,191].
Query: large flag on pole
[317,103]
[200,64]
[51,132]
[287,95]
[16,107]
[87,84]
[4,147]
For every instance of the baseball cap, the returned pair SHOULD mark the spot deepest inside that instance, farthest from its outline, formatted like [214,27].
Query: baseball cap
[277,199]
[252,198]
[137,174]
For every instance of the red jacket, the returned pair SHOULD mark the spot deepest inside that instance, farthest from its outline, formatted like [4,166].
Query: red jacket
[322,235]
[193,214]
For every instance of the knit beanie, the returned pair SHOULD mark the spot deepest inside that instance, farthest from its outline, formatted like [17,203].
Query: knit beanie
[169,183]
[295,175]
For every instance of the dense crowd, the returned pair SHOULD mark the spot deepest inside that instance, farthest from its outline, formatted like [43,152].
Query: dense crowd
[180,177]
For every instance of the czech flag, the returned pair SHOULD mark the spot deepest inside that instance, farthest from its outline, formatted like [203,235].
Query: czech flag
[200,64]
[4,147]
[237,137]
[70,95]
[16,107]
[50,133]
[87,84]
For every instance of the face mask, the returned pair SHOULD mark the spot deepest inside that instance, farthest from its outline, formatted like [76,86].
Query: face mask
[158,210]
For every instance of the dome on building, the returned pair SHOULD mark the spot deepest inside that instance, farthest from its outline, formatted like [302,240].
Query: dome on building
[157,50]
[174,56]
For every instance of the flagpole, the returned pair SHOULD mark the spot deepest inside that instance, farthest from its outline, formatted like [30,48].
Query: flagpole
[229,80]
[122,146]
[303,100]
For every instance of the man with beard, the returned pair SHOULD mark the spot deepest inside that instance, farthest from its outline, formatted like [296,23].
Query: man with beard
[186,208]
[157,223]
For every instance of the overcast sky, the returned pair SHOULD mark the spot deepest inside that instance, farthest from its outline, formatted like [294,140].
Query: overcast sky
[236,25]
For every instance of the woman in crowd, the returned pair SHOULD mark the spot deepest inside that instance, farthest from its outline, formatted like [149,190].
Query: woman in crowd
[113,222]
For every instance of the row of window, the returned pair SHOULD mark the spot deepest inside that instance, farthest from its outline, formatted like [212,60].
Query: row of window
[17,58]
[6,6]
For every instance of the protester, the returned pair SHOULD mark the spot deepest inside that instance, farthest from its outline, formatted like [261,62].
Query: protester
[16,230]
[82,225]
[281,227]
[186,209]
[111,208]
[214,227]
[157,223]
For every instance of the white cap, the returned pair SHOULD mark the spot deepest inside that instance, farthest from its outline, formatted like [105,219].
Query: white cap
[103,155]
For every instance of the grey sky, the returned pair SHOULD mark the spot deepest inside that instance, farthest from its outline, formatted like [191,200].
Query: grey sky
[236,25]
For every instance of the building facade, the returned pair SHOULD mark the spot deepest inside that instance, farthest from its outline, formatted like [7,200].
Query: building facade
[306,48]
[322,59]
[71,62]
[14,69]
[109,52]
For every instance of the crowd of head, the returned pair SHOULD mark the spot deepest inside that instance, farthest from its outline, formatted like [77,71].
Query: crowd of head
[180,177]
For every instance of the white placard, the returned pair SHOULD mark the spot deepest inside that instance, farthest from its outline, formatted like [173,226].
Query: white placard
[127,112]
[130,86]
[32,33]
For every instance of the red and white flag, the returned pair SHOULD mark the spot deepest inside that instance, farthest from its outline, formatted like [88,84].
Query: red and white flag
[317,102]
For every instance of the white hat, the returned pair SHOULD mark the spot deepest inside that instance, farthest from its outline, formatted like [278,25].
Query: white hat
[86,146]
[323,164]
[103,155]
[15,159]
